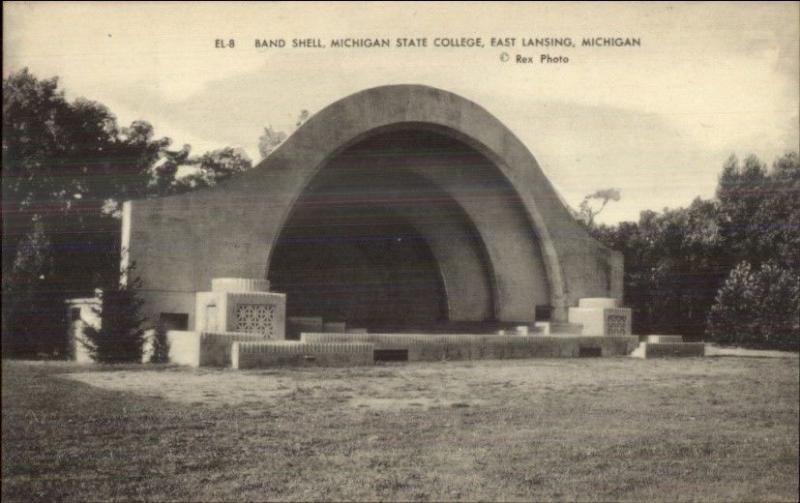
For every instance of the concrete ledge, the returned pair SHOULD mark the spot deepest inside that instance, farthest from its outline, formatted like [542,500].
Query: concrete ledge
[565,328]
[596,320]
[671,339]
[266,354]
[434,347]
[215,347]
[335,327]
[598,302]
[295,325]
[236,285]
[201,349]
[667,349]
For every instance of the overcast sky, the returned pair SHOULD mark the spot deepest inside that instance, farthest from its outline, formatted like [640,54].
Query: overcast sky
[656,121]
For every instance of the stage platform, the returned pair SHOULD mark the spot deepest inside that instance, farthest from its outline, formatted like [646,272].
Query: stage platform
[237,350]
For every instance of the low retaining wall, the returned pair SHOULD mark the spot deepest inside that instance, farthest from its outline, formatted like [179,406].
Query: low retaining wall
[201,349]
[673,349]
[242,350]
[248,355]
[661,339]
[433,347]
[215,347]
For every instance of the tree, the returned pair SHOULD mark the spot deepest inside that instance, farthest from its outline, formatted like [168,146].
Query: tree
[121,335]
[302,118]
[760,210]
[214,167]
[269,141]
[677,260]
[62,161]
[67,167]
[673,266]
[587,213]
[36,321]
[758,308]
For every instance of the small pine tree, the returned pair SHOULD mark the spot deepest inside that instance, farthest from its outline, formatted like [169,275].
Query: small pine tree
[758,308]
[121,336]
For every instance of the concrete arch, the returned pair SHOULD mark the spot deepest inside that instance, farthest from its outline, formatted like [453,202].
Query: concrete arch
[244,216]
[360,115]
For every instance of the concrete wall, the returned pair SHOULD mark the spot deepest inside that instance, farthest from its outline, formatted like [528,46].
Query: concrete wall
[672,349]
[180,243]
[76,331]
[427,347]
[247,355]
[201,349]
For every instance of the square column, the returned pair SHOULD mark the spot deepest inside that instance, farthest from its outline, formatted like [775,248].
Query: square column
[601,316]
[241,305]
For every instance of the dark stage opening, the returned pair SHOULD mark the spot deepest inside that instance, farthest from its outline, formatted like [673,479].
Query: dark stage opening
[361,265]
[357,245]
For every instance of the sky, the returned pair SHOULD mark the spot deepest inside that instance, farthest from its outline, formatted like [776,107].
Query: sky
[656,121]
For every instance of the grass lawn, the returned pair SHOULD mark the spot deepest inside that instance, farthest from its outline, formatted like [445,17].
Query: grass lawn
[580,429]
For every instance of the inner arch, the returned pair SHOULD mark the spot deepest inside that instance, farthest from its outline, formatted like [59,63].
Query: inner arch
[409,229]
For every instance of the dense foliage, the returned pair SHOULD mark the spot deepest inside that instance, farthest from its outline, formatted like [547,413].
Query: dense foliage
[757,308]
[677,261]
[67,166]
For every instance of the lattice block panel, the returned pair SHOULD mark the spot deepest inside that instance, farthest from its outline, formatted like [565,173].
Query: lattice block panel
[617,321]
[255,318]
[615,324]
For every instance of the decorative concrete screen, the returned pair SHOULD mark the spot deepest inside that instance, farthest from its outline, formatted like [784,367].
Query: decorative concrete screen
[255,318]
[617,324]
[242,305]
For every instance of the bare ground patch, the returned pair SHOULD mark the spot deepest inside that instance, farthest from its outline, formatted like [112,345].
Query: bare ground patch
[589,430]
[402,386]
